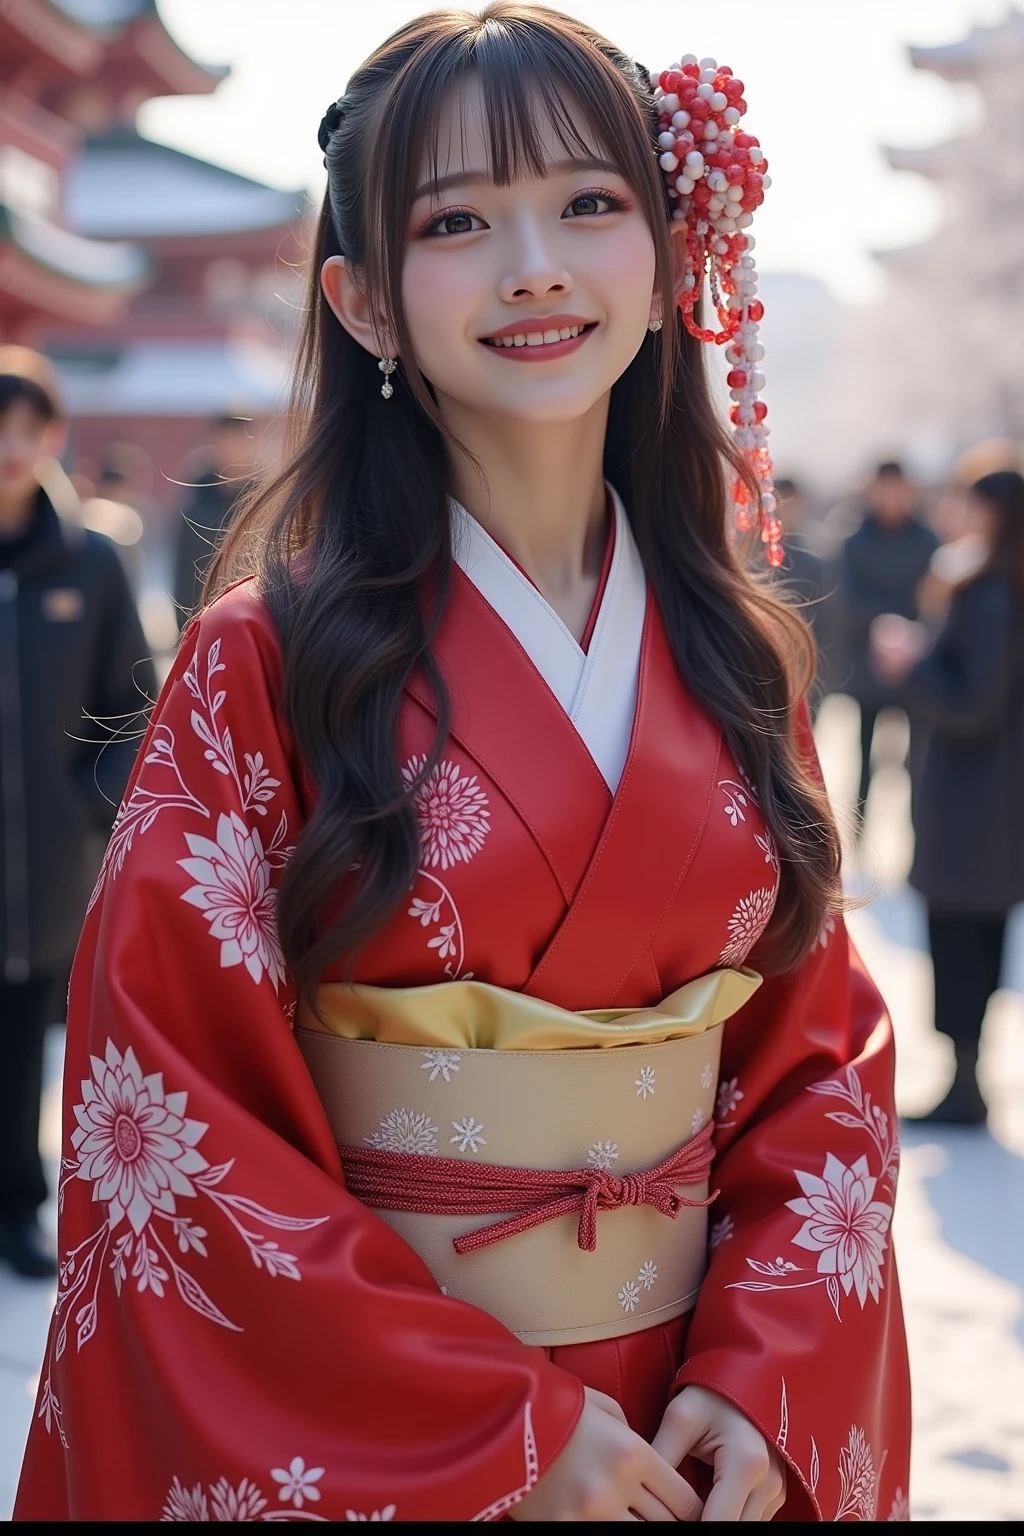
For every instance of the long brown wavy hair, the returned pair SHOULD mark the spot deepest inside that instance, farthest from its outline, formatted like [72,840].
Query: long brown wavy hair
[349,537]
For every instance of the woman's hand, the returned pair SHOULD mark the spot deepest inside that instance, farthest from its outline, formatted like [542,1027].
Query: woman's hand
[606,1472]
[750,1478]
[897,645]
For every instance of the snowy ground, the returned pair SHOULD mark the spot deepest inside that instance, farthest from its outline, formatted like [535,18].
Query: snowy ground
[959,1220]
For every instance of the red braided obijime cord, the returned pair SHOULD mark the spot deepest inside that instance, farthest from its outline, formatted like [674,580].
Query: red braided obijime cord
[446,1186]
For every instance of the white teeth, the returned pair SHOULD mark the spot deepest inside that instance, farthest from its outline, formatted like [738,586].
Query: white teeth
[538,338]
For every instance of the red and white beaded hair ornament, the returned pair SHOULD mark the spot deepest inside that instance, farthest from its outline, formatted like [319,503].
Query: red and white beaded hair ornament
[717,176]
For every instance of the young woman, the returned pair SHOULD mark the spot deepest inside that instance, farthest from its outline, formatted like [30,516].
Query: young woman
[968,689]
[499,732]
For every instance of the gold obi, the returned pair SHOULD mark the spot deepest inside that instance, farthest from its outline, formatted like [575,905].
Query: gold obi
[473,1073]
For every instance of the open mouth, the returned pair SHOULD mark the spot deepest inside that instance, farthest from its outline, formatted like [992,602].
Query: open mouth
[552,337]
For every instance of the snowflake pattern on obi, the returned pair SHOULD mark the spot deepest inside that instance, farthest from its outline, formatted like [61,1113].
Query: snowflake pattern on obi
[729,1096]
[697,1120]
[441,1064]
[469,1134]
[629,1296]
[746,925]
[648,1274]
[405,1130]
[234,894]
[452,811]
[707,1075]
[602,1154]
[644,1084]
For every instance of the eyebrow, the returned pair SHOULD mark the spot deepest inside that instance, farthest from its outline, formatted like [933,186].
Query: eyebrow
[478,178]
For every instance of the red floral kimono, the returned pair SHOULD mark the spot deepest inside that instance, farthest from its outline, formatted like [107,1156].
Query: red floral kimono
[235,1336]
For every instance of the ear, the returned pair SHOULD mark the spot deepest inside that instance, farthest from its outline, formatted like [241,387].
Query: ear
[677,240]
[352,308]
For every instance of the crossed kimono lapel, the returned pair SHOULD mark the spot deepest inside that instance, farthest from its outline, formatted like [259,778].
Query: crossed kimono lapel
[508,719]
[620,859]
[649,839]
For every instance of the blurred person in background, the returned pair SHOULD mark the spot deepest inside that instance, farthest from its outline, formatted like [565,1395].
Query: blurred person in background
[71,652]
[968,687]
[208,509]
[881,565]
[806,575]
[962,549]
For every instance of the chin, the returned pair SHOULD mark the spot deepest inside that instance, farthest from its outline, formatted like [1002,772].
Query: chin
[547,404]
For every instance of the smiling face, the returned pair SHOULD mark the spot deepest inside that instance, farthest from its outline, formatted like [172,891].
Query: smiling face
[528,300]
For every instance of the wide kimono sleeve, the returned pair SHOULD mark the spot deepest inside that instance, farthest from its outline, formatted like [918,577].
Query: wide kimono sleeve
[799,1320]
[236,1337]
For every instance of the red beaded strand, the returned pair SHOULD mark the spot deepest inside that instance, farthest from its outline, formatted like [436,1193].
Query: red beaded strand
[717,176]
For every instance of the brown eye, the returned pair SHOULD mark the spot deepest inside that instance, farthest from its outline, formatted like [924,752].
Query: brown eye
[457,224]
[585,205]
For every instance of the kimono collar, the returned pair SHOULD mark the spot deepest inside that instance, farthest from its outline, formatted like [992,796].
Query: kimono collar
[598,688]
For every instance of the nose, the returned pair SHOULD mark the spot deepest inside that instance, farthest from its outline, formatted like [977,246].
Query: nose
[535,271]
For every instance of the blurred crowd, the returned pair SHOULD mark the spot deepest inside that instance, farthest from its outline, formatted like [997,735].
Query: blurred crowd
[915,596]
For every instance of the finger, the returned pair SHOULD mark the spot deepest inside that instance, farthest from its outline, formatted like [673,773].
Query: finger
[679,1432]
[670,1488]
[767,1498]
[606,1404]
[737,1474]
[647,1507]
[758,1505]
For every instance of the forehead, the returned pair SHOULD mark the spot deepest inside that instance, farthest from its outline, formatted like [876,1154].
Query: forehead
[515,139]
[21,415]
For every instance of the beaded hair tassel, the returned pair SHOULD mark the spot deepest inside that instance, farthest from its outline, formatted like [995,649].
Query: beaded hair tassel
[717,176]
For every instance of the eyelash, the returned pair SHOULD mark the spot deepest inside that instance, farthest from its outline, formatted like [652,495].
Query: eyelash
[616,204]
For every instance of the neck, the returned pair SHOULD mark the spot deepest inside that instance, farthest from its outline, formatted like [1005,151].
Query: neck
[539,492]
[16,510]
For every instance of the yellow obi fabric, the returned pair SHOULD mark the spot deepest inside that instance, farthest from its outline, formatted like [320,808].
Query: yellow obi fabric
[471,1072]
[472,1015]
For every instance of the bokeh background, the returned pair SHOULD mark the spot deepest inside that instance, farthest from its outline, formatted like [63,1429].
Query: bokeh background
[158,173]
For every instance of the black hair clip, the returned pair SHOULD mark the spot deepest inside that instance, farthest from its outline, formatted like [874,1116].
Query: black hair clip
[330,122]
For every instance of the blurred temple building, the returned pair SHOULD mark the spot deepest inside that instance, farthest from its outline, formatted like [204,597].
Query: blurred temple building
[161,285]
[953,321]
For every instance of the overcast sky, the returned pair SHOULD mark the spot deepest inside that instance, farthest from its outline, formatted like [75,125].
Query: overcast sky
[828,82]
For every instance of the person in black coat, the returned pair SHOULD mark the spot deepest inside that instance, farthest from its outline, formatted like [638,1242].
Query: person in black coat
[969,804]
[74,675]
[881,565]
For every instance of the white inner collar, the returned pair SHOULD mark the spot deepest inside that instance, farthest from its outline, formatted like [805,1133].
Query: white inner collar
[597,688]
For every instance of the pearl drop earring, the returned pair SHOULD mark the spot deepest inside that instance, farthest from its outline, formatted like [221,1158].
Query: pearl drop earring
[654,325]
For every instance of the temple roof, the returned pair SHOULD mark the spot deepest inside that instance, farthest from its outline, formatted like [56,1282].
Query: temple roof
[979,50]
[125,185]
[173,378]
[103,15]
[94,263]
